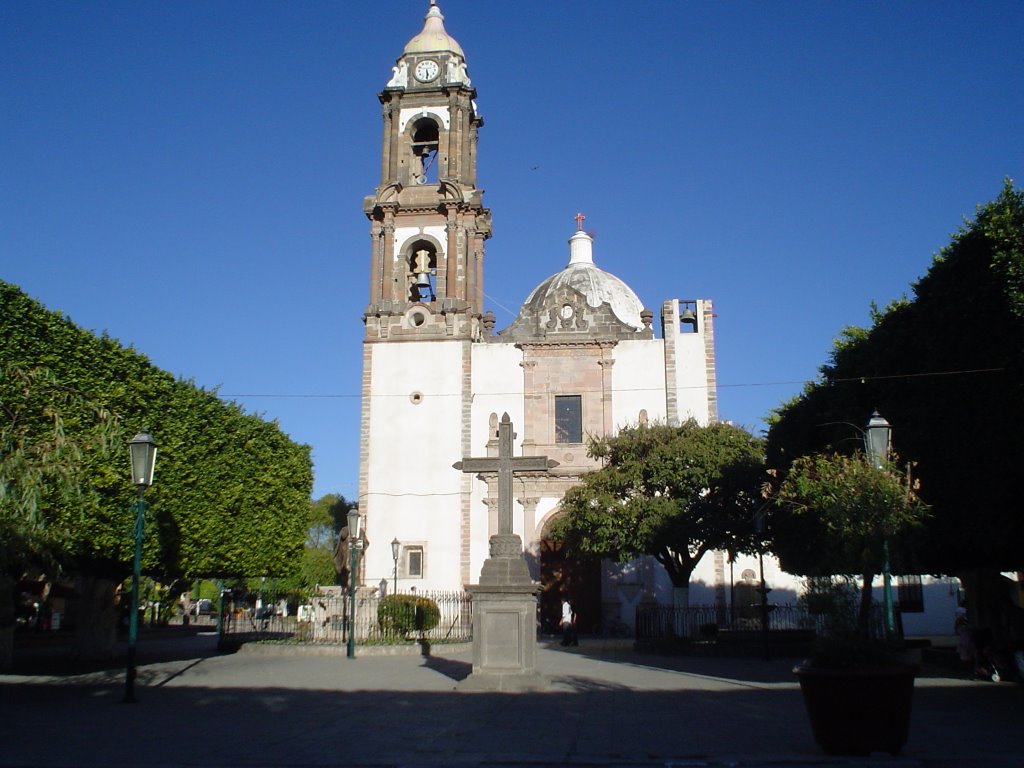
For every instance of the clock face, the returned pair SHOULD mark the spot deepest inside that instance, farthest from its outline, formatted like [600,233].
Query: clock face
[426,70]
[566,312]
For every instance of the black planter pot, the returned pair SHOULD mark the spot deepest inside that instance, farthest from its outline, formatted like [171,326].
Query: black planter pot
[860,710]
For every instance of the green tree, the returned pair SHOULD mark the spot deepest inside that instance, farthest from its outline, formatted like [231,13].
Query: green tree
[327,517]
[674,493]
[946,367]
[41,468]
[834,515]
[231,496]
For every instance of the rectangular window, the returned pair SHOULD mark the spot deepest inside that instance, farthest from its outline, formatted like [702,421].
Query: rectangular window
[910,594]
[414,562]
[568,419]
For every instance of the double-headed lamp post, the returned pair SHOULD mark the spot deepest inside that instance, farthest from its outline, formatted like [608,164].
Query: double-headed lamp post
[354,543]
[142,449]
[877,442]
[396,547]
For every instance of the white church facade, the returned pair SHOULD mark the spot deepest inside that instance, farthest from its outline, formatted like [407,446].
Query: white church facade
[584,356]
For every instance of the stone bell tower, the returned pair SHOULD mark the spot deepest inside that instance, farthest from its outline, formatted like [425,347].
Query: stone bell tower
[428,220]
[427,231]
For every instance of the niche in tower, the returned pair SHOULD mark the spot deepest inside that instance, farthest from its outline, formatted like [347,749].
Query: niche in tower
[422,265]
[423,165]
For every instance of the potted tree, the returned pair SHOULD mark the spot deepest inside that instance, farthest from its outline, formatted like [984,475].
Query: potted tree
[837,515]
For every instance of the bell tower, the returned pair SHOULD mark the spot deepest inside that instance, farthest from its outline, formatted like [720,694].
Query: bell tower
[428,223]
[423,320]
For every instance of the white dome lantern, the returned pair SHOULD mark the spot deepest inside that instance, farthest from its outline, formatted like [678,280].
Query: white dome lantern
[597,286]
[581,278]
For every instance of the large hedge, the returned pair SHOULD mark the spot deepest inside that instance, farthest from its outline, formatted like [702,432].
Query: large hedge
[231,495]
[946,367]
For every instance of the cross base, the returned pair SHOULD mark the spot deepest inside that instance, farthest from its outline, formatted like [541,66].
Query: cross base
[506,565]
[504,622]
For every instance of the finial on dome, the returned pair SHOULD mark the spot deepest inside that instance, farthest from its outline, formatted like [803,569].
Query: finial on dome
[433,37]
[581,244]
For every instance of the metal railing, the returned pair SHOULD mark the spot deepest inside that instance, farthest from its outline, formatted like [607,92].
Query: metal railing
[705,622]
[325,619]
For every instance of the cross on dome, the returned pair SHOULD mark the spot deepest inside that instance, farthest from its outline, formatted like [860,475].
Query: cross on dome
[579,221]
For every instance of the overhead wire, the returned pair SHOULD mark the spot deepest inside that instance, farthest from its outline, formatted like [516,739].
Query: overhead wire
[840,380]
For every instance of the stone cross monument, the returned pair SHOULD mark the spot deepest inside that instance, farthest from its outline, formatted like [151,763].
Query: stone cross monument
[505,600]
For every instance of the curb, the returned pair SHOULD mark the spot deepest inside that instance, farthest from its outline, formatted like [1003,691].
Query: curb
[296,649]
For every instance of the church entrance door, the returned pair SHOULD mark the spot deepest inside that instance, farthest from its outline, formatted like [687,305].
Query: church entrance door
[579,579]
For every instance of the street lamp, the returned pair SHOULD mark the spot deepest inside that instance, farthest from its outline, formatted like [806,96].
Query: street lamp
[878,439]
[877,442]
[396,545]
[142,449]
[353,558]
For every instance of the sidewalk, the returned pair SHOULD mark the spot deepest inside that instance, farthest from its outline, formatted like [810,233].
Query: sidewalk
[606,706]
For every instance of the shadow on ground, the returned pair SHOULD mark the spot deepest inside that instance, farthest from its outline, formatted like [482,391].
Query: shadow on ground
[451,668]
[57,659]
[595,723]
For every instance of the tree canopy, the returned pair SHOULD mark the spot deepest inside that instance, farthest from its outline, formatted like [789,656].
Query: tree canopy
[231,495]
[671,492]
[835,514]
[946,368]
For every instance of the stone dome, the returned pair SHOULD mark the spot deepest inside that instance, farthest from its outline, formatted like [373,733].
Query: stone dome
[434,38]
[597,286]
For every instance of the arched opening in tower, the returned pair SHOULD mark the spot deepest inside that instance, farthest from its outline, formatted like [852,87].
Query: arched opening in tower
[422,265]
[425,138]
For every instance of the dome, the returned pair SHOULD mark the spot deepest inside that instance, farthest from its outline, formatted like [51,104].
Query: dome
[433,37]
[597,286]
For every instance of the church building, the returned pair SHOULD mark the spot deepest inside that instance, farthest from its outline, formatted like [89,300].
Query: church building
[585,356]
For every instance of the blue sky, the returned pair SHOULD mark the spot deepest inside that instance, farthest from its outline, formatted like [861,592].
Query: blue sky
[189,176]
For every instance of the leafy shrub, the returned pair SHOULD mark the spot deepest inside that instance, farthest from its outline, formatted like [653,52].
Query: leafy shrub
[402,614]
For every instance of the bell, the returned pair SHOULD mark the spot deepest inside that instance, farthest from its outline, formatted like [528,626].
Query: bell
[689,318]
[422,281]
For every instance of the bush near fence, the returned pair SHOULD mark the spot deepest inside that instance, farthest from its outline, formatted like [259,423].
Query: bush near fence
[399,616]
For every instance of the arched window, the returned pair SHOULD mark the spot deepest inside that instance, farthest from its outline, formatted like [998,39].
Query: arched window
[423,167]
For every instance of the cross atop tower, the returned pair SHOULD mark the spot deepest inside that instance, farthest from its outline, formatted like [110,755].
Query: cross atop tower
[579,221]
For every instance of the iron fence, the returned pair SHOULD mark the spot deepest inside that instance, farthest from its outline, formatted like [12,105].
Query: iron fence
[425,616]
[705,622]
[708,622]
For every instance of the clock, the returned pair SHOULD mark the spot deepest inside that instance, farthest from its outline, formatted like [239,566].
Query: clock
[426,70]
[565,312]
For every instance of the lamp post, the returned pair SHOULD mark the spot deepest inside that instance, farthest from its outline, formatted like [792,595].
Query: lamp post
[877,442]
[142,449]
[396,545]
[353,558]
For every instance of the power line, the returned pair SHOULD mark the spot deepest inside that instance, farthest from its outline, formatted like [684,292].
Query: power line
[861,379]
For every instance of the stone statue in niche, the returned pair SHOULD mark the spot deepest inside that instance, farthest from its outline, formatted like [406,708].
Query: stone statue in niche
[399,76]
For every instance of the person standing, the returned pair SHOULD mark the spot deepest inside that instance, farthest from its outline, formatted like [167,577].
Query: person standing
[964,639]
[569,636]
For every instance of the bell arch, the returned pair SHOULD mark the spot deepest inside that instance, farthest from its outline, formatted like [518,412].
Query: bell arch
[424,149]
[420,256]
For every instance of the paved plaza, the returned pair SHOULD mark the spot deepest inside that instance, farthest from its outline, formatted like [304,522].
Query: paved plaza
[606,706]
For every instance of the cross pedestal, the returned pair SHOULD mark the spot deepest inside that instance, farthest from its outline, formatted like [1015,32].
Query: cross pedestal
[505,599]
